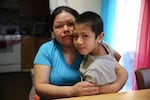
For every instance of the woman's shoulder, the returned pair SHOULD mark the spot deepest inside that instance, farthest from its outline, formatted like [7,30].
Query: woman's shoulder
[49,44]
[49,47]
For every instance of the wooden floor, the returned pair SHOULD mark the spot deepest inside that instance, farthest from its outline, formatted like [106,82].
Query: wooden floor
[15,85]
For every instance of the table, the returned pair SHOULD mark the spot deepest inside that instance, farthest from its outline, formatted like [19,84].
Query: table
[130,95]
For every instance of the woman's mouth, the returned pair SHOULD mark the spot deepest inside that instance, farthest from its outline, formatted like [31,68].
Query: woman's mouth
[67,37]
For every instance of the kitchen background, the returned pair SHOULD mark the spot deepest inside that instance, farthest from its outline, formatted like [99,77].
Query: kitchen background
[21,23]
[24,26]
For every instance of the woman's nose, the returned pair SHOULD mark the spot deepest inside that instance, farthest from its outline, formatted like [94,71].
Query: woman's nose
[66,30]
[65,27]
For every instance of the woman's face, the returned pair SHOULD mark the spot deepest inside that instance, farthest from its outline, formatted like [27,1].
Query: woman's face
[63,28]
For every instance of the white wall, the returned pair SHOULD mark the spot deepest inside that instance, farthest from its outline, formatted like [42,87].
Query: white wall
[85,5]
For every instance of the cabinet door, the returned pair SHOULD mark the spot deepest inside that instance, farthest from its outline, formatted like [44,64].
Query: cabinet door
[28,51]
[30,46]
[40,41]
[34,8]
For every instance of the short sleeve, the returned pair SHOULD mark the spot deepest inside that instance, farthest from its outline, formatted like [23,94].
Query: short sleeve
[109,47]
[43,55]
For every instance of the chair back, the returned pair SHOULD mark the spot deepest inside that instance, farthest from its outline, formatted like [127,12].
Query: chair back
[143,78]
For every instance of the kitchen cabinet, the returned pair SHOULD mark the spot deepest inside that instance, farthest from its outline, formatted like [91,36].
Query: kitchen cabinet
[26,8]
[39,41]
[30,46]
[27,51]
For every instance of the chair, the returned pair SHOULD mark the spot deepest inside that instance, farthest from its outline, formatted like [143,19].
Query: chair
[143,78]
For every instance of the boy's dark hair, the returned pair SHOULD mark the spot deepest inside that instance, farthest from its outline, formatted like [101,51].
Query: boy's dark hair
[93,20]
[60,9]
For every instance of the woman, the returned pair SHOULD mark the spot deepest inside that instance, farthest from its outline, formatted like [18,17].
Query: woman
[56,65]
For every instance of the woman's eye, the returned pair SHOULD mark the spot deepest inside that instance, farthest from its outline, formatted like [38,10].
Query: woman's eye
[70,24]
[58,26]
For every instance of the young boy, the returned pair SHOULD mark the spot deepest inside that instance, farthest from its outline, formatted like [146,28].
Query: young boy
[99,63]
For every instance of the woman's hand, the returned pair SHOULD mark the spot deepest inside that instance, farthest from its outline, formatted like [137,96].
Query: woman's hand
[84,88]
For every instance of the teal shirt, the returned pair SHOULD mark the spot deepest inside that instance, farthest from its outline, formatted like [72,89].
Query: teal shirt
[50,54]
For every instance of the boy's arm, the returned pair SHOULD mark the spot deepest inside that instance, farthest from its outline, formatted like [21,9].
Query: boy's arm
[122,77]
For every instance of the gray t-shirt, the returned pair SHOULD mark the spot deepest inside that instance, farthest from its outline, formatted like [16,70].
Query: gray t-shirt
[99,69]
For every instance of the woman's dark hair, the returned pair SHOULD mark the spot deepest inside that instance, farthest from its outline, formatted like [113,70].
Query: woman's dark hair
[93,20]
[60,9]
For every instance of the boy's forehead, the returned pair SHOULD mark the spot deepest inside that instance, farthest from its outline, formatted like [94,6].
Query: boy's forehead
[82,25]
[82,28]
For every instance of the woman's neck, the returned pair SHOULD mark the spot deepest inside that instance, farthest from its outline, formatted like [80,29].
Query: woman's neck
[69,54]
[68,49]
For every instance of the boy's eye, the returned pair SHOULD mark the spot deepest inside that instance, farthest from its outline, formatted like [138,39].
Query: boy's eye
[85,36]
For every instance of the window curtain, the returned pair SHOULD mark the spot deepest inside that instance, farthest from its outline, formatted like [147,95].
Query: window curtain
[121,19]
[142,55]
[108,14]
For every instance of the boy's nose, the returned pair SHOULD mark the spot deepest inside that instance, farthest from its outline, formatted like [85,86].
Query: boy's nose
[79,40]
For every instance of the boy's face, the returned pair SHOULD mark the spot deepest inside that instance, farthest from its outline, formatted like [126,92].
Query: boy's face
[84,39]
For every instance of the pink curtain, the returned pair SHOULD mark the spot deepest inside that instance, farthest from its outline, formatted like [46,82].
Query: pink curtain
[142,55]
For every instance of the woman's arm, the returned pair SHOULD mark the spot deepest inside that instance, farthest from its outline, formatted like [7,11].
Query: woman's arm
[44,88]
[122,77]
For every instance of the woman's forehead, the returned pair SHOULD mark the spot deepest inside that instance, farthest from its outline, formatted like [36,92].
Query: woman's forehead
[64,16]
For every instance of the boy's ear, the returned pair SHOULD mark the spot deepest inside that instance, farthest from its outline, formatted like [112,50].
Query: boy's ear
[100,37]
